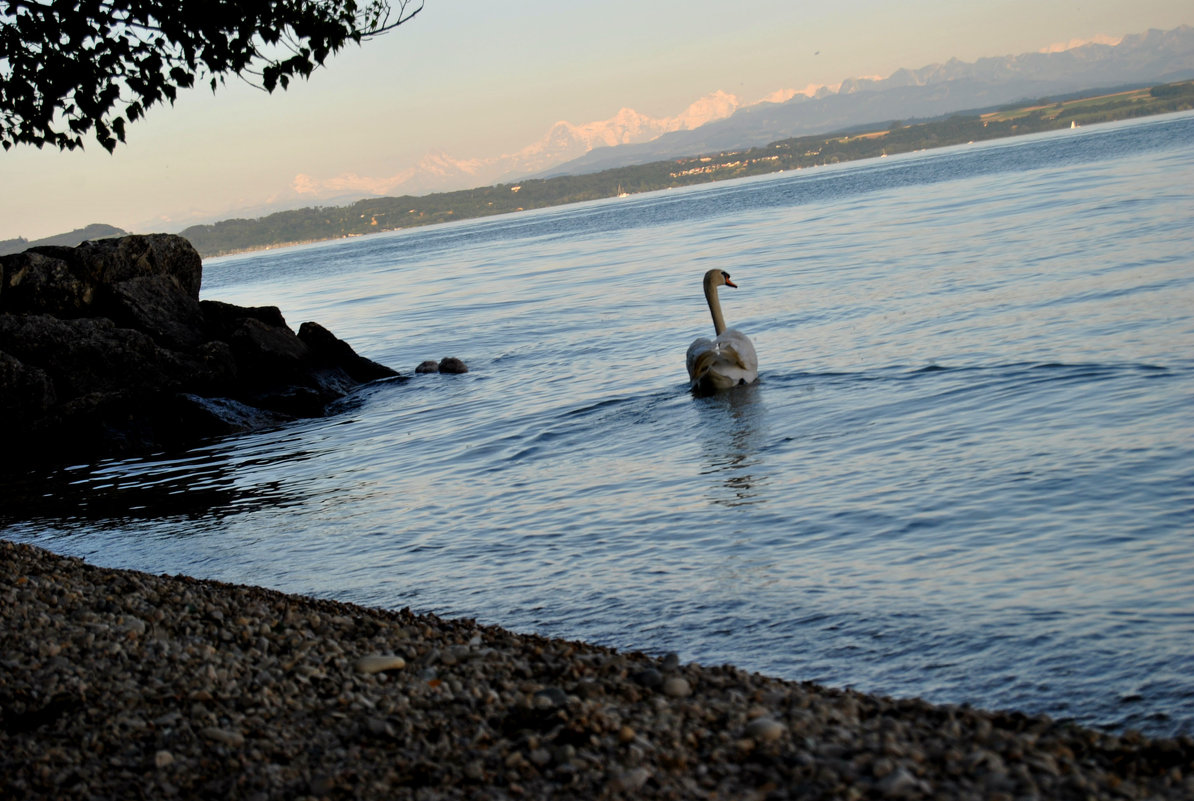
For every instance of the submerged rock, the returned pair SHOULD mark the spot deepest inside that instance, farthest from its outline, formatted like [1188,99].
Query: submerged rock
[449,364]
[452,365]
[106,349]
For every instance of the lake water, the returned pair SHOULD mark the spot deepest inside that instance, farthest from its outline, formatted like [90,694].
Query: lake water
[966,472]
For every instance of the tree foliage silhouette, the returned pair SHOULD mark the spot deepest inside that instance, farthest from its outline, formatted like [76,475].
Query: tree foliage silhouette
[70,67]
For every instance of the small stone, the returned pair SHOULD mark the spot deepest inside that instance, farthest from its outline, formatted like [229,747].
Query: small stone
[163,759]
[677,687]
[631,780]
[764,730]
[452,365]
[648,678]
[626,734]
[899,784]
[474,770]
[379,728]
[429,366]
[133,627]
[376,663]
[671,661]
[540,757]
[233,739]
[549,698]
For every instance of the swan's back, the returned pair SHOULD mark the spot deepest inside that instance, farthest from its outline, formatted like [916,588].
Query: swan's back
[721,363]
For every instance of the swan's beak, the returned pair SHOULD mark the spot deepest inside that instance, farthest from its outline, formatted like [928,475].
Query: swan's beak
[731,283]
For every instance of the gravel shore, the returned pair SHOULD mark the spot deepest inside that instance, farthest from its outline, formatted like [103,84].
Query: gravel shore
[122,685]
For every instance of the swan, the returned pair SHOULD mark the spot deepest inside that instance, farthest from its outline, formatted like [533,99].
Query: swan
[728,360]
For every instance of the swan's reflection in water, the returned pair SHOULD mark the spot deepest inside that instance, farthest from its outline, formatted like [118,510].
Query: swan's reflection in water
[733,428]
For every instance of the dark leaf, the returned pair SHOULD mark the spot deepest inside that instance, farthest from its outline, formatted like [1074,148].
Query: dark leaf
[67,66]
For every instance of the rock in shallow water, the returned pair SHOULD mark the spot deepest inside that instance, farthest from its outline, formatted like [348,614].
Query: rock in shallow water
[449,365]
[106,349]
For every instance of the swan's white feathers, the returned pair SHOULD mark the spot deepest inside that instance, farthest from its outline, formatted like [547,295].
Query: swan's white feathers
[728,360]
[722,363]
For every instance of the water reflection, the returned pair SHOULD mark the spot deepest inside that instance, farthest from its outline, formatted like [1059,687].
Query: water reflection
[227,478]
[732,427]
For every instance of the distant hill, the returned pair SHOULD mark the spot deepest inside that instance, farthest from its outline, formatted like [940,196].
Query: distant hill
[926,93]
[389,213]
[93,231]
[723,121]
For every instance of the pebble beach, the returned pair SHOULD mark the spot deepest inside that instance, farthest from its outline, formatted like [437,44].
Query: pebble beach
[123,685]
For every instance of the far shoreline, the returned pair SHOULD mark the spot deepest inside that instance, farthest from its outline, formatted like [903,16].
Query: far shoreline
[858,143]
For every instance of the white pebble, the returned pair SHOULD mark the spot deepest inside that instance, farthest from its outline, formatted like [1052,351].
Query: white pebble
[376,663]
[676,687]
[631,780]
[233,739]
[764,730]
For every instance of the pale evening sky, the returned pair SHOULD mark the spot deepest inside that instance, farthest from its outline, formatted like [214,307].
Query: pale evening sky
[476,78]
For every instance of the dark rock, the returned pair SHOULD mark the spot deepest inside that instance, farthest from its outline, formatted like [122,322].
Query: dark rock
[38,282]
[157,305]
[447,365]
[90,354]
[452,365]
[69,282]
[105,349]
[649,677]
[216,372]
[268,354]
[25,392]
[329,351]
[221,319]
[109,261]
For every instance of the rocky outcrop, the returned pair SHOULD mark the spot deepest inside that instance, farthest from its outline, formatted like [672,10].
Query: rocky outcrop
[106,349]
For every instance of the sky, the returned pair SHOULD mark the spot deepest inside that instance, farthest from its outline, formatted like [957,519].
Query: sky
[476,79]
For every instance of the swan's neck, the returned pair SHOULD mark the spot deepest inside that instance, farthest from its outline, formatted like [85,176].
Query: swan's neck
[719,322]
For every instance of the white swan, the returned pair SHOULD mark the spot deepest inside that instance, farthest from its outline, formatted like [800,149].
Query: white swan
[728,360]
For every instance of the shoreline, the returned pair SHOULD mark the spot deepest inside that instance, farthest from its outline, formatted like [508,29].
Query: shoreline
[858,143]
[124,684]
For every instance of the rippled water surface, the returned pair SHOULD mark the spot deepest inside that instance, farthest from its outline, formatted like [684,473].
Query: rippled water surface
[965,474]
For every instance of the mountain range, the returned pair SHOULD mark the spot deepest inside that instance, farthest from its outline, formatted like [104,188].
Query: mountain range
[722,121]
[438,172]
[932,91]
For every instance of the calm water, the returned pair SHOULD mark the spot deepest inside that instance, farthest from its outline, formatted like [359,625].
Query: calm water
[966,474]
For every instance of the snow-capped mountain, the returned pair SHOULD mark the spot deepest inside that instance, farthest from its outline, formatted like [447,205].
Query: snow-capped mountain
[931,91]
[722,121]
[438,171]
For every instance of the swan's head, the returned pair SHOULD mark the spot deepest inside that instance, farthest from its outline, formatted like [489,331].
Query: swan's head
[715,278]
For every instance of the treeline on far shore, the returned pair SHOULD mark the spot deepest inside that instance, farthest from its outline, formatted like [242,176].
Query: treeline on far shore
[390,213]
